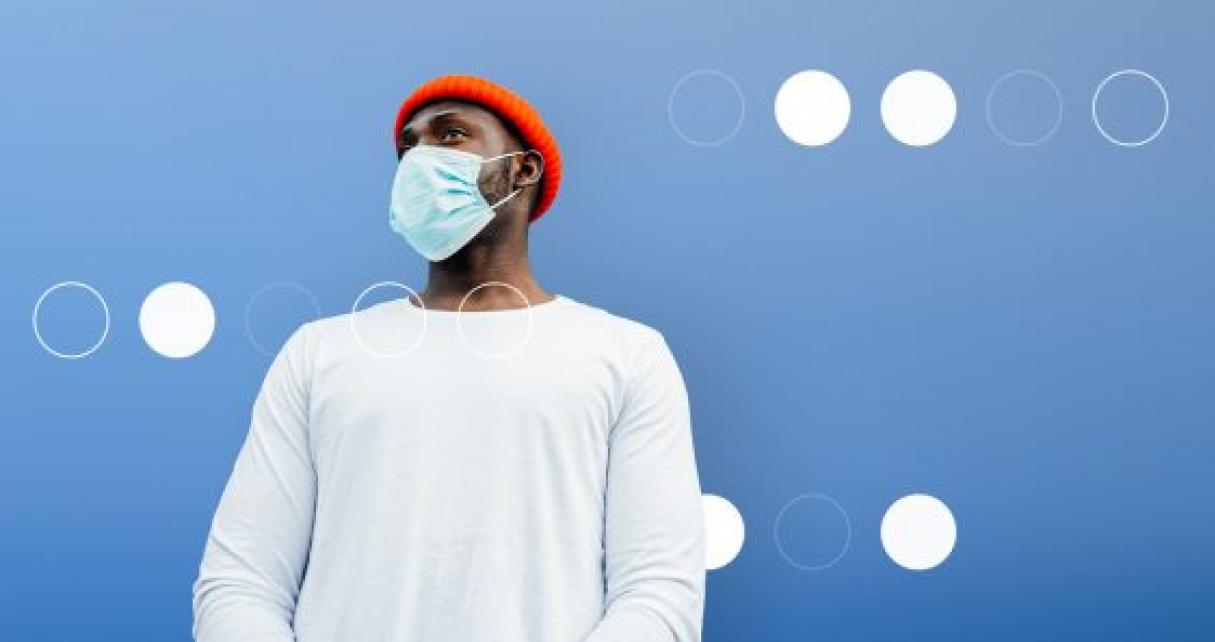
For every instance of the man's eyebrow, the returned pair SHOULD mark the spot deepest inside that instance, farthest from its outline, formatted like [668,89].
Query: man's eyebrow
[441,116]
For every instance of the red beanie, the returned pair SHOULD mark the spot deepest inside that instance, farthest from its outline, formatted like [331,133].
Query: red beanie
[508,106]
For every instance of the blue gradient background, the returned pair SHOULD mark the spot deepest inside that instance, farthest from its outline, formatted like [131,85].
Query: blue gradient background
[1025,333]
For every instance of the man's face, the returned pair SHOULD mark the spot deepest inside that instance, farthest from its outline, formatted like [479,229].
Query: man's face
[471,128]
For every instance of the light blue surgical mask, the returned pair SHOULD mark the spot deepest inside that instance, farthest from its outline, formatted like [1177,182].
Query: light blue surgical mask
[436,204]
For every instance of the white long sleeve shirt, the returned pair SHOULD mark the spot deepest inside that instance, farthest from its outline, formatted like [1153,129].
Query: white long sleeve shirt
[460,492]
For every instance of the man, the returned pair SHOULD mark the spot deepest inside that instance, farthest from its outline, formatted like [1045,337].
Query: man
[548,493]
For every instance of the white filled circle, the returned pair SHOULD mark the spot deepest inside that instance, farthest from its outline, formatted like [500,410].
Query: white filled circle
[804,505]
[177,320]
[918,532]
[354,317]
[500,353]
[1131,74]
[105,310]
[266,291]
[918,108]
[724,531]
[732,88]
[1033,76]
[812,108]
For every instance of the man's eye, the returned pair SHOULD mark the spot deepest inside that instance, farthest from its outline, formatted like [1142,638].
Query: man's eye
[451,132]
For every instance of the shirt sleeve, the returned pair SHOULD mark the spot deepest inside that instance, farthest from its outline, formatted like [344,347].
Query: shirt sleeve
[257,549]
[654,565]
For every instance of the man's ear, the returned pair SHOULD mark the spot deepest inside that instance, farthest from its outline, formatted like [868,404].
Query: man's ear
[531,168]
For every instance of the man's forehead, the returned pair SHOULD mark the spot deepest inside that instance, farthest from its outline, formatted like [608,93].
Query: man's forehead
[450,106]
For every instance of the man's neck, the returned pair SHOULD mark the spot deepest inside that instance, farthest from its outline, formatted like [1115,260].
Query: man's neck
[450,282]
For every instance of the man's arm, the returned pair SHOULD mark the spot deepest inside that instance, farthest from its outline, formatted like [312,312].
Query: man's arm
[257,550]
[654,525]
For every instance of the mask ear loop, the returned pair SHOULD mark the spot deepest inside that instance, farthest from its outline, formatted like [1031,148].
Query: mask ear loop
[505,199]
[541,164]
[494,158]
[520,189]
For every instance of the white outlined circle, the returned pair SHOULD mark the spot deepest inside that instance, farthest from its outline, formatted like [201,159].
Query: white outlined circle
[177,320]
[919,108]
[833,560]
[105,309]
[725,531]
[1050,131]
[812,108]
[359,339]
[531,322]
[289,285]
[742,108]
[1164,96]
[918,532]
